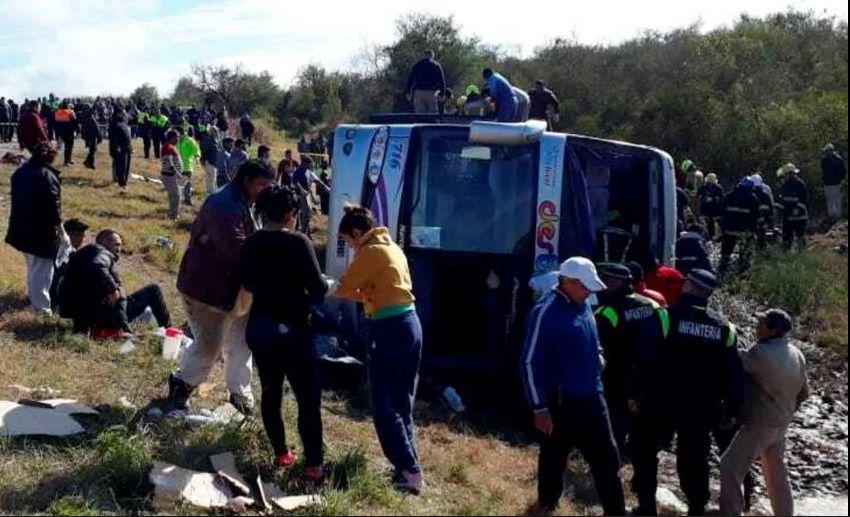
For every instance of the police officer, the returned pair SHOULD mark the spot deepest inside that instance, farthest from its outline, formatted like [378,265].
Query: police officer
[159,123]
[707,378]
[90,133]
[692,250]
[143,123]
[740,219]
[766,209]
[631,329]
[793,204]
[711,203]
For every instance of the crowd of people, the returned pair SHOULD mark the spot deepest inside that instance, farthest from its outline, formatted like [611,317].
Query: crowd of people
[496,98]
[745,218]
[646,362]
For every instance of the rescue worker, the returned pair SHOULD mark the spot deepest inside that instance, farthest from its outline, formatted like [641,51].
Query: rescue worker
[248,128]
[90,133]
[120,148]
[425,83]
[66,128]
[190,152]
[711,203]
[692,251]
[641,288]
[740,217]
[502,93]
[793,205]
[632,329]
[766,209]
[564,388]
[542,99]
[703,362]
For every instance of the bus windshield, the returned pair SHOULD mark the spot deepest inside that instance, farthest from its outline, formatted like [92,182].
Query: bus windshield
[473,198]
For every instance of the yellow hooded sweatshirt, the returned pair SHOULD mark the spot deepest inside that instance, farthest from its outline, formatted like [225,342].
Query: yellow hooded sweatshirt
[379,277]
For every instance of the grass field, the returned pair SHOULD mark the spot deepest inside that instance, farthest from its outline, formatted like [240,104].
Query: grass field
[468,471]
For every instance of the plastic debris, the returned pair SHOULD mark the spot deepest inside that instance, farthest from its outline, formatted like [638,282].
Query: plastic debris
[127,347]
[225,466]
[175,484]
[22,420]
[452,398]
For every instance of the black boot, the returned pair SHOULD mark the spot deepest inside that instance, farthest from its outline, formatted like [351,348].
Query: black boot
[178,395]
[242,404]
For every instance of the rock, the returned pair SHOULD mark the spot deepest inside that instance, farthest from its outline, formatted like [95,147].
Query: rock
[20,420]
[821,506]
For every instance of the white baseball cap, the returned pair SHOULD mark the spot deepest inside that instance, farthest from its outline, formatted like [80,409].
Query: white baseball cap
[583,270]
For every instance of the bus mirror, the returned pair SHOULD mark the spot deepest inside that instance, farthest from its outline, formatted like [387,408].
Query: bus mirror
[476,152]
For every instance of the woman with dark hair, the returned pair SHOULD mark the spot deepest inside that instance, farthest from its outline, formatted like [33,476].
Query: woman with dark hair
[379,278]
[209,284]
[278,332]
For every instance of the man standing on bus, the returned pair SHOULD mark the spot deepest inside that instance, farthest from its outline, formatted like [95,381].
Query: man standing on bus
[425,83]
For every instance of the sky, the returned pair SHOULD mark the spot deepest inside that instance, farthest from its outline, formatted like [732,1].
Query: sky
[91,47]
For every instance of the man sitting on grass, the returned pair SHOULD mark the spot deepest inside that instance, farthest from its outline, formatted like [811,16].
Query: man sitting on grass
[91,292]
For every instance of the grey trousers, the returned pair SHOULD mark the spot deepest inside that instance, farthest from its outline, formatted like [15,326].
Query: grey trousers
[39,278]
[425,101]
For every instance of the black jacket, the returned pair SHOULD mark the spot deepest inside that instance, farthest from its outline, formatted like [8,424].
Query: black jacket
[36,211]
[120,141]
[89,279]
[793,202]
[88,127]
[705,373]
[426,74]
[632,329]
[740,211]
[711,199]
[834,169]
[540,100]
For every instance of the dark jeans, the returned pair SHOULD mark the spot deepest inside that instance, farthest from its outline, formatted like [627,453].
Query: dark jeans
[794,230]
[126,311]
[91,144]
[146,142]
[68,143]
[393,368]
[581,423]
[728,244]
[287,356]
[121,168]
[157,146]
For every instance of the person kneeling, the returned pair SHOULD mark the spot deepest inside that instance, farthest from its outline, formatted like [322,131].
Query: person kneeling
[91,292]
[279,267]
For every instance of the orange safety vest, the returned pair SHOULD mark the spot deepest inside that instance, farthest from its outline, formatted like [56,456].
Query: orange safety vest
[64,115]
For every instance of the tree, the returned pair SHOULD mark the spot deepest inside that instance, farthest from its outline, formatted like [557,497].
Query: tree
[145,95]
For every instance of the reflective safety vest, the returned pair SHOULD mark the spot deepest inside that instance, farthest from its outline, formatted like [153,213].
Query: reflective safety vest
[64,115]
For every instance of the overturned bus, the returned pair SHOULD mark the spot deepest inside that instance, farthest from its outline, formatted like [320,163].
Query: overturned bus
[481,208]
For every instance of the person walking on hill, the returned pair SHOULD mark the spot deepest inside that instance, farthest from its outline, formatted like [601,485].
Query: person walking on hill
[711,203]
[66,129]
[379,277]
[223,162]
[248,128]
[740,219]
[209,284]
[278,266]
[425,84]
[834,170]
[120,148]
[35,220]
[90,133]
[793,204]
[564,388]
[776,387]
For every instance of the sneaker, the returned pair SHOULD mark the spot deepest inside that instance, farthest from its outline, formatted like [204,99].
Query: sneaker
[409,482]
[316,474]
[287,459]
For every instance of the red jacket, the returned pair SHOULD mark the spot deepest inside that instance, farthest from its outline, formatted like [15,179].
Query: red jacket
[668,282]
[31,131]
